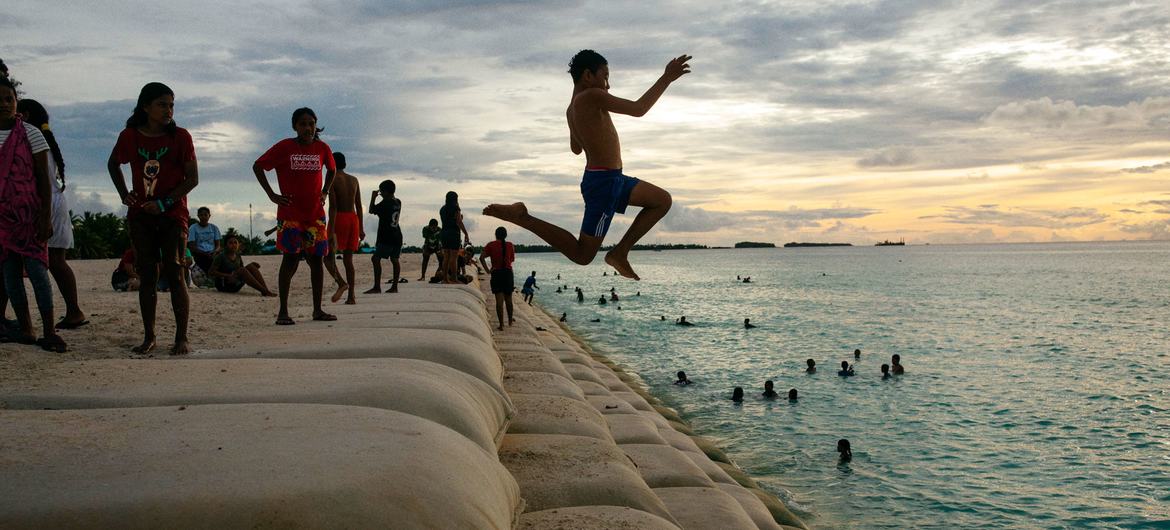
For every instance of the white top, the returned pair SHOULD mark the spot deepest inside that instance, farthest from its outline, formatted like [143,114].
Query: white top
[35,138]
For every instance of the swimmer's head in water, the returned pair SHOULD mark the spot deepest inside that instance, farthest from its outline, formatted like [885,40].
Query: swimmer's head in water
[737,394]
[811,363]
[501,233]
[682,376]
[896,358]
[885,368]
[844,365]
[747,320]
[768,385]
[791,393]
[843,448]
[857,353]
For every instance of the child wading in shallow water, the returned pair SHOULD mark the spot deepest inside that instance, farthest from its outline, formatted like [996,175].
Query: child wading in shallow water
[25,221]
[604,187]
[300,211]
[163,171]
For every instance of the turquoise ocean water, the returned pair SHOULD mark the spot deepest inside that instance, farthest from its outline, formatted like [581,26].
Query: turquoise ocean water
[1036,394]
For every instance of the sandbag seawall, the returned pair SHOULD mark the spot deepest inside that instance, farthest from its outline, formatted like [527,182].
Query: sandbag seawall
[591,448]
[391,416]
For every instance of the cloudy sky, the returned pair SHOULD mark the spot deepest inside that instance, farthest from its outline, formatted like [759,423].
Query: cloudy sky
[932,120]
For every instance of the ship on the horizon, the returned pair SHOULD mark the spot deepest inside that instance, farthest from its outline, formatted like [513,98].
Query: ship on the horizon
[888,243]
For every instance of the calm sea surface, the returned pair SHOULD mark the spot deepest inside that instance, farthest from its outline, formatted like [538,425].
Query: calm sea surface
[1036,394]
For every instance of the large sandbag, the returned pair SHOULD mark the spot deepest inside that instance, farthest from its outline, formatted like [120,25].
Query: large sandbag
[457,350]
[382,310]
[593,389]
[710,468]
[573,357]
[779,511]
[610,380]
[246,466]
[519,382]
[583,373]
[539,414]
[528,361]
[440,322]
[559,471]
[432,391]
[593,518]
[710,449]
[632,429]
[679,440]
[704,509]
[635,401]
[610,405]
[663,466]
[754,507]
[736,473]
[659,421]
[668,413]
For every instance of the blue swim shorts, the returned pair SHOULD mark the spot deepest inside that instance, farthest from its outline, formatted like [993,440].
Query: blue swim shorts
[606,192]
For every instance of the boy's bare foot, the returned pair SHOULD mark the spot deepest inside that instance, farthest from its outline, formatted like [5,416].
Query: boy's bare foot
[507,212]
[181,348]
[350,301]
[284,320]
[393,290]
[373,290]
[341,288]
[268,294]
[146,347]
[501,328]
[620,263]
[323,316]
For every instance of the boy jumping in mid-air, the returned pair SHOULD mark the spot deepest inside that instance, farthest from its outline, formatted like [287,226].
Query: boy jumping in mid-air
[605,189]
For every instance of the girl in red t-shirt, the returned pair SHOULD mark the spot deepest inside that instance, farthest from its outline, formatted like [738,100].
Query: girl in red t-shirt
[300,212]
[497,257]
[163,171]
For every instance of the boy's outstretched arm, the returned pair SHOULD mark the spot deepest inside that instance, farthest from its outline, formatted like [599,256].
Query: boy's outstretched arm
[675,69]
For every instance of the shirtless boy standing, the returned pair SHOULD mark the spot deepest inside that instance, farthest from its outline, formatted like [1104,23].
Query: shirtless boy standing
[346,228]
[605,189]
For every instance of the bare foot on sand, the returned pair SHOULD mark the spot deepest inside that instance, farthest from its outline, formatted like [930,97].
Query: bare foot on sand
[501,328]
[181,348]
[621,264]
[507,212]
[146,347]
[350,301]
[393,289]
[373,290]
[323,316]
[340,292]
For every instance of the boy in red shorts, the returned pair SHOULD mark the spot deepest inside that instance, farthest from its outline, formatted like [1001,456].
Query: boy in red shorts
[300,212]
[345,225]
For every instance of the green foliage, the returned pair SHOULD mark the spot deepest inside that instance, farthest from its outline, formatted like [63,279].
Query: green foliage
[99,236]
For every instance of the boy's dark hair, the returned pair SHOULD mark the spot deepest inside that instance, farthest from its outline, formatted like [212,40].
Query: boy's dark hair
[203,209]
[338,158]
[433,222]
[585,60]
[303,111]
[387,187]
[8,81]
[3,69]
[35,114]
[150,92]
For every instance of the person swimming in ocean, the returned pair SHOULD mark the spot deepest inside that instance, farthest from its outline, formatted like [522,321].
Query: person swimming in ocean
[596,320]
[747,279]
[792,394]
[662,318]
[812,367]
[856,354]
[747,324]
[580,295]
[844,449]
[682,379]
[845,370]
[769,393]
[885,371]
[601,301]
[564,317]
[737,394]
[897,368]
[682,321]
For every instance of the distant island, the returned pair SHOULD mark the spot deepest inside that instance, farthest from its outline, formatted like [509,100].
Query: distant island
[888,243]
[795,244]
[753,244]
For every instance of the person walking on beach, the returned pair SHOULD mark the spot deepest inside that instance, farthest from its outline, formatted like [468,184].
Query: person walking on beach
[389,243]
[62,239]
[300,210]
[25,222]
[452,218]
[163,171]
[497,258]
[529,286]
[346,228]
[432,244]
[604,187]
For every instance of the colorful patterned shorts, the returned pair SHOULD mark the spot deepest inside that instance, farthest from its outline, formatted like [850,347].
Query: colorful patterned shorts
[296,237]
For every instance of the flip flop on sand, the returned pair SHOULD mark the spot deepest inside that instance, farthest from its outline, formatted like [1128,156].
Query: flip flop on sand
[15,336]
[285,321]
[325,317]
[340,292]
[53,343]
[62,324]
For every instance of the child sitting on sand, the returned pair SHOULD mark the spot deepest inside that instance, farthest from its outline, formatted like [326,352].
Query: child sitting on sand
[230,273]
[604,187]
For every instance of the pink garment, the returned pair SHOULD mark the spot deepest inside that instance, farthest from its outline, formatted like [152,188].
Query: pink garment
[19,203]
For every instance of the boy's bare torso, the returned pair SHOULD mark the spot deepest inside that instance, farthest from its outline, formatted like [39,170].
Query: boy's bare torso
[591,127]
[343,195]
